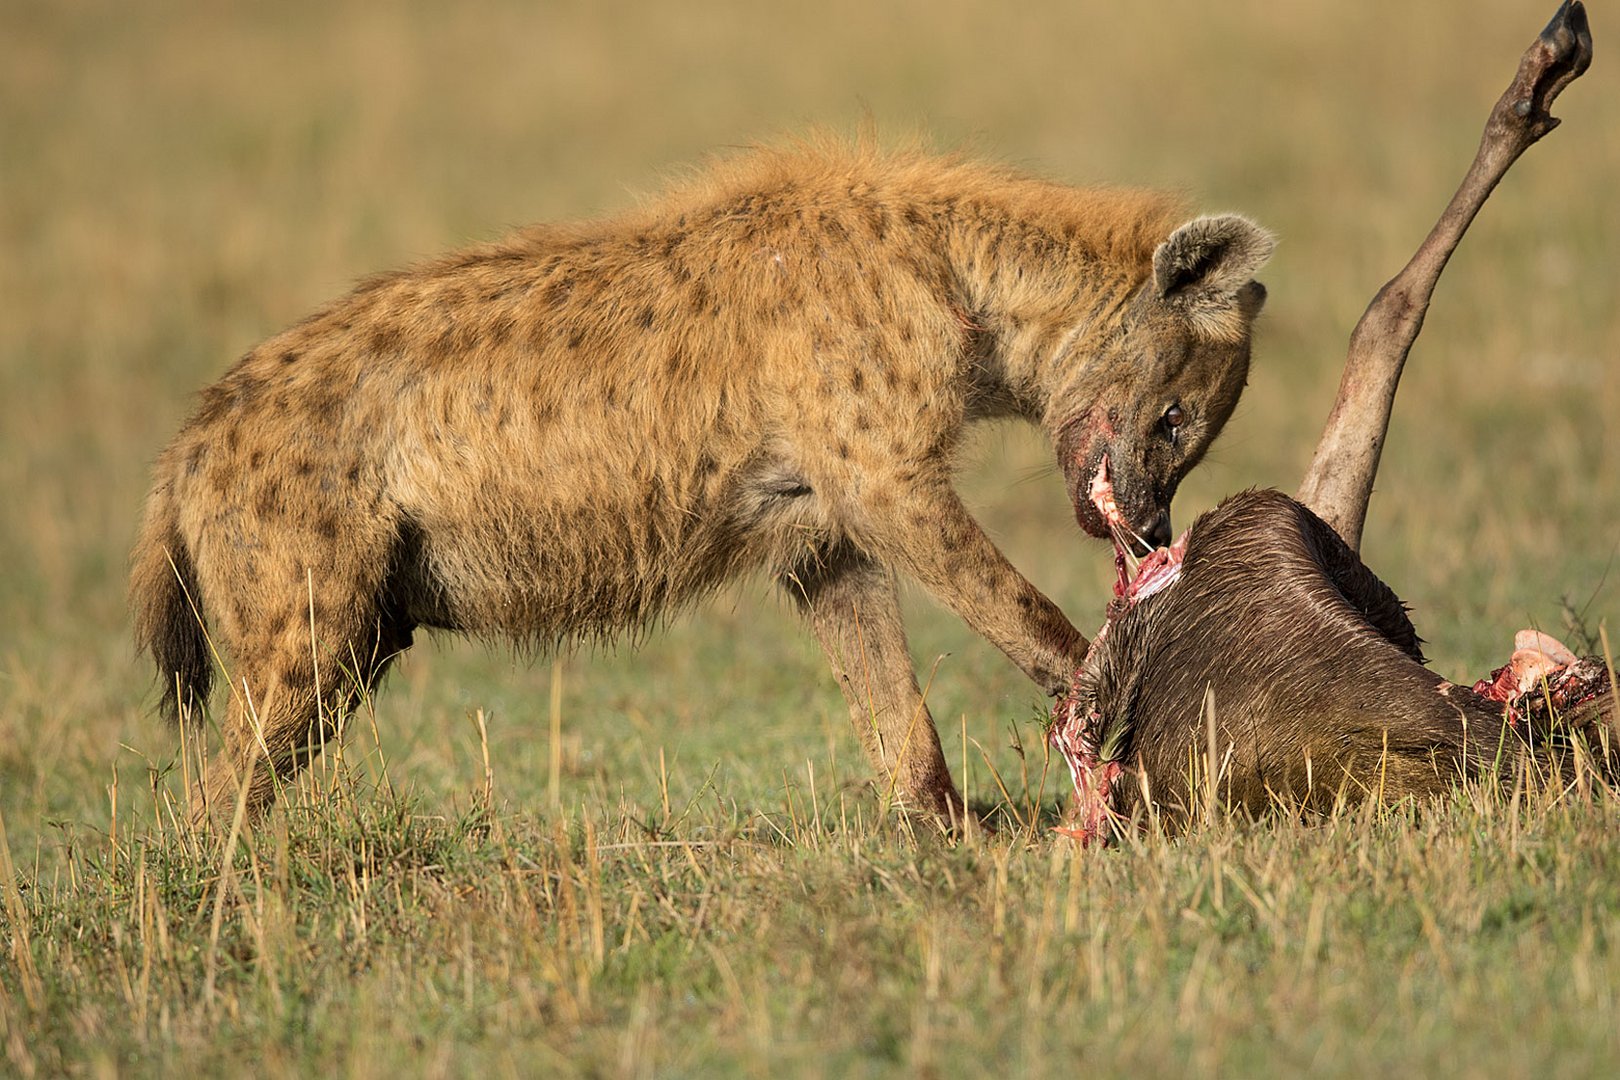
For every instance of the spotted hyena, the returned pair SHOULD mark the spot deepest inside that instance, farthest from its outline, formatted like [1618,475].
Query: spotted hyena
[575,429]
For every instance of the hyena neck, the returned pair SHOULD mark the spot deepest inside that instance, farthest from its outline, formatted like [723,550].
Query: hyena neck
[1045,273]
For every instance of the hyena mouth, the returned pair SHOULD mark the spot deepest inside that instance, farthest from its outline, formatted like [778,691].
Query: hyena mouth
[1082,451]
[1139,578]
[1094,749]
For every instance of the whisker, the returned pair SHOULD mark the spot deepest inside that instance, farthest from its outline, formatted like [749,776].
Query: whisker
[1120,533]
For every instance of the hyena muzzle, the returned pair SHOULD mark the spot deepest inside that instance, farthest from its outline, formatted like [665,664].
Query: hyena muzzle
[570,431]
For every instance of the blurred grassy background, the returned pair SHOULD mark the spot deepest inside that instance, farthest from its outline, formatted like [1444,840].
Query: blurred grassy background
[180,180]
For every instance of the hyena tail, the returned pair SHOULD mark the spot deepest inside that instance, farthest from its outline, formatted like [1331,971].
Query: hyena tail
[167,608]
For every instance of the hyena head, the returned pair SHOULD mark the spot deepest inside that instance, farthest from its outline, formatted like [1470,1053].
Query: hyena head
[1167,377]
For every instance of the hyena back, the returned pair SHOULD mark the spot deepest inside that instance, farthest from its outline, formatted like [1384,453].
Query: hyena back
[570,431]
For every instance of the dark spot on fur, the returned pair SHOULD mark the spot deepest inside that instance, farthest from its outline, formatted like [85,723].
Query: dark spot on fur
[384,339]
[700,298]
[327,407]
[878,220]
[289,357]
[327,527]
[863,422]
[907,334]
[305,467]
[256,459]
[673,363]
[647,318]
[451,343]
[268,503]
[247,391]
[843,449]
[891,378]
[353,475]
[857,380]
[224,476]
[575,338]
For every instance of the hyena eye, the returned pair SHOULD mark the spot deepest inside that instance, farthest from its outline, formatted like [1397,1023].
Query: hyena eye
[1172,421]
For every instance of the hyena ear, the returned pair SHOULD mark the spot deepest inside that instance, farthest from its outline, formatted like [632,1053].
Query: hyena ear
[1206,268]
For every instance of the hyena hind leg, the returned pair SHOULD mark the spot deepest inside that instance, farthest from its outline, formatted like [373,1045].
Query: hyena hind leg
[287,702]
[853,605]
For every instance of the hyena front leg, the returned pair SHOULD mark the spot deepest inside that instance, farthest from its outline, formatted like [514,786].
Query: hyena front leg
[925,530]
[853,604]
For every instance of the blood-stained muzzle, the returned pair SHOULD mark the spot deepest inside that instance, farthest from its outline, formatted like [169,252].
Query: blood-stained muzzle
[1109,501]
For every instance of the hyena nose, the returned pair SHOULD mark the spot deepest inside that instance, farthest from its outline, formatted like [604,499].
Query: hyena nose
[1156,530]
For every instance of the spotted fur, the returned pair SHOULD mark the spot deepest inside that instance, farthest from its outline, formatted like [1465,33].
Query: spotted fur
[574,430]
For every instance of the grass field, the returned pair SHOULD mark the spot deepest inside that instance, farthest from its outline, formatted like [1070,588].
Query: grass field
[695,878]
